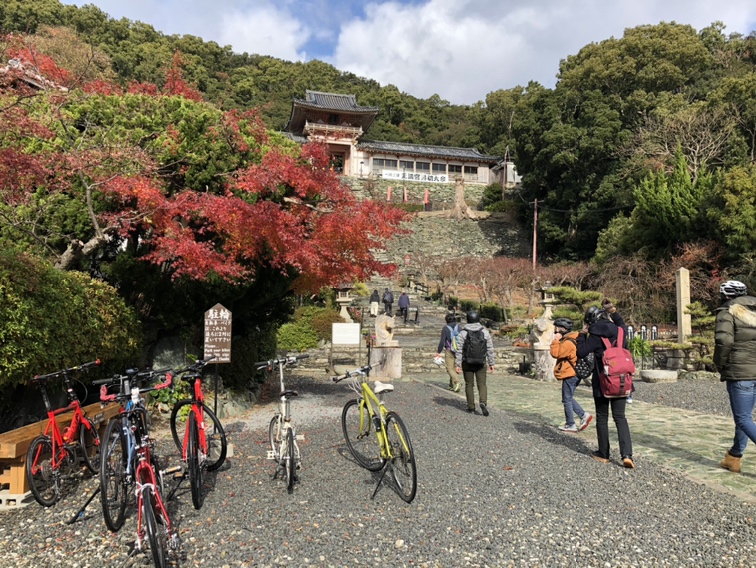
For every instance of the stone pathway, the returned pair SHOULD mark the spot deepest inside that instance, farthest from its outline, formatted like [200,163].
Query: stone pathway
[690,442]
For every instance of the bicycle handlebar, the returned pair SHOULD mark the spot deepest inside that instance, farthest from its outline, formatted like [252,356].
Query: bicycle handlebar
[196,366]
[349,374]
[282,361]
[105,397]
[65,372]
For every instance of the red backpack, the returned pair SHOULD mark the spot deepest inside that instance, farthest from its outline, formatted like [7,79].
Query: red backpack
[616,375]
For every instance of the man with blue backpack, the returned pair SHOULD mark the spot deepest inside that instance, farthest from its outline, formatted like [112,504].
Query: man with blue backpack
[448,346]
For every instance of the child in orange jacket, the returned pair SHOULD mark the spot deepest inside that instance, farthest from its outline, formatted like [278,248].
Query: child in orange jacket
[564,350]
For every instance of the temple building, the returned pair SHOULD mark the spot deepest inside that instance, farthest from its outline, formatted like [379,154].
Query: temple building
[339,122]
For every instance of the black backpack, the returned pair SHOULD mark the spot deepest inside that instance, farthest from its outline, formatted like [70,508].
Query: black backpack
[475,350]
[388,297]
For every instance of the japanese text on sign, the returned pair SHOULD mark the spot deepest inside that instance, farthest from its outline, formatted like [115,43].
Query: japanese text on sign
[434,178]
[218,334]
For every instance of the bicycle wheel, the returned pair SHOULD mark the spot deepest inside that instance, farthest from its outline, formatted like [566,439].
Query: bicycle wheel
[114,482]
[274,435]
[43,481]
[193,463]
[156,538]
[360,437]
[403,457]
[89,443]
[289,461]
[216,437]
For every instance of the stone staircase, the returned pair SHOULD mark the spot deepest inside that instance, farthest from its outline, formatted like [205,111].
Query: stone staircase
[417,340]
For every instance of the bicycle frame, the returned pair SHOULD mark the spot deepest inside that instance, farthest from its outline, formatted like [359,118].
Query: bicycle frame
[70,433]
[198,401]
[284,421]
[367,399]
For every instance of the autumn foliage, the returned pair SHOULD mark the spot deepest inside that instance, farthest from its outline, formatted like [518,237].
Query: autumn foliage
[199,192]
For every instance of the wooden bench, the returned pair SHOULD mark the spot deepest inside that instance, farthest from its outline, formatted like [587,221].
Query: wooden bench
[14,486]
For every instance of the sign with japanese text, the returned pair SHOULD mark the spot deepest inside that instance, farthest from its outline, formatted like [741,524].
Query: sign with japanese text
[410,176]
[218,334]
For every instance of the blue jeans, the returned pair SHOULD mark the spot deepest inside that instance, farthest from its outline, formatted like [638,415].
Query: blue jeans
[571,406]
[742,399]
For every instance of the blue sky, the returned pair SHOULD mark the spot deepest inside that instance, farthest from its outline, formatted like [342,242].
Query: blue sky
[458,49]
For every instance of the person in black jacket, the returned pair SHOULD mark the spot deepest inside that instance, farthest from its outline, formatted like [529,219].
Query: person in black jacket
[599,325]
[611,311]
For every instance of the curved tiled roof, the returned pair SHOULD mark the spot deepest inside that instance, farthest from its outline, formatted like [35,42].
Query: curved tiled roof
[406,149]
[333,101]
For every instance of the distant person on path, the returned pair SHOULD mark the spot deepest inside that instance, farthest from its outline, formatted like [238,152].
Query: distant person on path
[564,350]
[448,346]
[404,304]
[599,325]
[735,359]
[388,302]
[475,350]
[375,298]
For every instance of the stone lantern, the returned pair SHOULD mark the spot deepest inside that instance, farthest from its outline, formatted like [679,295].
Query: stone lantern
[542,335]
[344,299]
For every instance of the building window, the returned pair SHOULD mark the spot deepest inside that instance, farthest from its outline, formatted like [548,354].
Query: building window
[381,163]
[439,168]
[333,119]
[454,169]
[405,165]
[471,170]
[422,166]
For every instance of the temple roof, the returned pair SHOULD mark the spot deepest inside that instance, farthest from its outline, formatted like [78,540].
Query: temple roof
[330,102]
[444,152]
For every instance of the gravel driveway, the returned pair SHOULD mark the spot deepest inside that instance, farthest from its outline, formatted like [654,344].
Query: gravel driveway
[493,491]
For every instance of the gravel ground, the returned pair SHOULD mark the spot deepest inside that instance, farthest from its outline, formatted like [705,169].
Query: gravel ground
[495,491]
[706,395]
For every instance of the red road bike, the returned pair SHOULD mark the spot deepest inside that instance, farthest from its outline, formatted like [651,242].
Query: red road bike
[202,448]
[52,456]
[129,460]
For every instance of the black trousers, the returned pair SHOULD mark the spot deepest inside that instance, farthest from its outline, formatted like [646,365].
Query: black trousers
[618,406]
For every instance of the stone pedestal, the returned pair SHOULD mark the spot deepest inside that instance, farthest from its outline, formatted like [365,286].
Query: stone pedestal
[541,336]
[386,361]
[344,302]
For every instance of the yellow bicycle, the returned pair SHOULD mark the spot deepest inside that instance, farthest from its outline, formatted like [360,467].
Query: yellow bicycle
[377,437]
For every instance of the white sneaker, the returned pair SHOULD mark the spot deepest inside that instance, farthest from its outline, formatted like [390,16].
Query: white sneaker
[569,428]
[585,421]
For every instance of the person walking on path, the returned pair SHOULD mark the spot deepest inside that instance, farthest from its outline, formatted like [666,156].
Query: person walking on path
[619,321]
[388,302]
[475,350]
[404,304]
[375,298]
[600,326]
[448,346]
[564,350]
[735,359]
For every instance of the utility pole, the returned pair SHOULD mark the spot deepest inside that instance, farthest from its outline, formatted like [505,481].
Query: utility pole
[535,233]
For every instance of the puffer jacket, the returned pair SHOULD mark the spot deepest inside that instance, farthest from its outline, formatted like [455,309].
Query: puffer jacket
[565,352]
[735,339]
[463,337]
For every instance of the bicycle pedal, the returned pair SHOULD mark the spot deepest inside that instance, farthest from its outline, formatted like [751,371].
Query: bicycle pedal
[170,470]
[300,437]
[271,455]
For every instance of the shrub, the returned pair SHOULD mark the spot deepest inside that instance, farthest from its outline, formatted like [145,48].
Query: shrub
[298,336]
[321,322]
[259,345]
[491,311]
[467,305]
[50,319]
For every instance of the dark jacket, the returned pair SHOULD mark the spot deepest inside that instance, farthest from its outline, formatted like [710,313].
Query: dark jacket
[735,339]
[404,301]
[592,343]
[445,341]
[375,296]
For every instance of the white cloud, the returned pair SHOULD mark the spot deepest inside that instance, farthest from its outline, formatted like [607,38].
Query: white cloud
[463,50]
[264,30]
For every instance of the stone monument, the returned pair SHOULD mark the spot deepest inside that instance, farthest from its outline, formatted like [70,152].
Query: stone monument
[541,337]
[682,279]
[386,355]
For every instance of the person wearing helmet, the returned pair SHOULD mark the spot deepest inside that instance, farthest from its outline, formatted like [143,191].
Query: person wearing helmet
[599,326]
[735,360]
[564,350]
[475,350]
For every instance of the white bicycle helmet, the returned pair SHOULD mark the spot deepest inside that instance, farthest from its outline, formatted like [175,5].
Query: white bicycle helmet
[733,289]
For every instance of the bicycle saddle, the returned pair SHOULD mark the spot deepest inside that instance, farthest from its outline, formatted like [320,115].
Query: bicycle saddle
[289,393]
[382,387]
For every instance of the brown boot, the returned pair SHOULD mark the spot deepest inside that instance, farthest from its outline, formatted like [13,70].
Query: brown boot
[731,462]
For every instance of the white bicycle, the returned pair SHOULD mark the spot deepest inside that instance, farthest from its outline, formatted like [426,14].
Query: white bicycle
[284,450]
